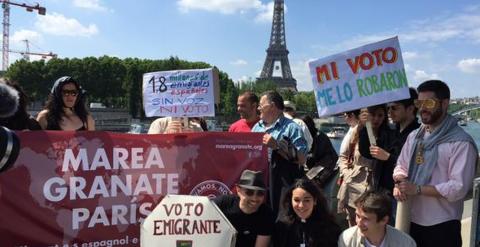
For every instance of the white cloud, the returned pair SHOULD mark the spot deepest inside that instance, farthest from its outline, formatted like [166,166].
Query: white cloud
[244,79]
[222,6]
[239,62]
[57,24]
[407,55]
[90,4]
[301,73]
[421,75]
[471,65]
[464,26]
[265,13]
[17,39]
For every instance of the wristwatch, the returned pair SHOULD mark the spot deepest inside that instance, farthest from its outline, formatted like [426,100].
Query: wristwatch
[419,189]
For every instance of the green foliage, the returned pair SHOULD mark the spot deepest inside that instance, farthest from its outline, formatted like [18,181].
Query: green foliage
[305,102]
[258,87]
[112,81]
[455,107]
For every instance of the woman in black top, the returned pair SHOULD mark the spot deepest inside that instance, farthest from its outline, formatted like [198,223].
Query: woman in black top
[305,220]
[65,109]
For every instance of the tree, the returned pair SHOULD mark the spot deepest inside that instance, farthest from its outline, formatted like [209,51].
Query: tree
[109,80]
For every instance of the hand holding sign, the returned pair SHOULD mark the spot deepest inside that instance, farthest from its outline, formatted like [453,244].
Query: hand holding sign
[179,93]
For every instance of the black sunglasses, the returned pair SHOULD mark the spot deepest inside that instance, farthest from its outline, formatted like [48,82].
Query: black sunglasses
[250,192]
[69,93]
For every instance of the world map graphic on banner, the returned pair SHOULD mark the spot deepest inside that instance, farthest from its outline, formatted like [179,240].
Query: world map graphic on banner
[70,188]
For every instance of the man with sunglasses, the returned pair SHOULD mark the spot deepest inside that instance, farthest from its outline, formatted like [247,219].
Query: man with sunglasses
[247,212]
[435,170]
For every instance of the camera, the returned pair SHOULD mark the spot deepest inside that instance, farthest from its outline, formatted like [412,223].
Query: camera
[9,148]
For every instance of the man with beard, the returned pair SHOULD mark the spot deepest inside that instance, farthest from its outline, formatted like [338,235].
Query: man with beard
[247,104]
[372,215]
[435,170]
[247,212]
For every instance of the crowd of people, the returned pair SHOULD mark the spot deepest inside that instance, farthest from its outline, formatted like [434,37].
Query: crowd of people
[430,163]
[386,157]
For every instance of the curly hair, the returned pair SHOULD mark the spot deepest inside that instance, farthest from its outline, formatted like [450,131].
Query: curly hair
[55,103]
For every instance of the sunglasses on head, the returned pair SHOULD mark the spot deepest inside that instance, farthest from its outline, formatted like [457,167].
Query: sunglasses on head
[69,93]
[426,103]
[250,192]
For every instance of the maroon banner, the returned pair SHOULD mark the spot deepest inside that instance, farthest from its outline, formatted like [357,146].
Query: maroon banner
[95,188]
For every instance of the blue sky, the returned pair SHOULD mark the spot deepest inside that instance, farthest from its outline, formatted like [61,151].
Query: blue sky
[439,39]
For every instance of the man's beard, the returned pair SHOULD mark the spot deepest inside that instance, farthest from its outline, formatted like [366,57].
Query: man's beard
[433,117]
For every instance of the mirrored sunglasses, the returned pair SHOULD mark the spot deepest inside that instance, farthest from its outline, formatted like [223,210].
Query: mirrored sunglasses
[425,103]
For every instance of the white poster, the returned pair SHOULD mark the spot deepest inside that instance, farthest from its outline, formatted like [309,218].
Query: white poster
[186,221]
[369,75]
[179,93]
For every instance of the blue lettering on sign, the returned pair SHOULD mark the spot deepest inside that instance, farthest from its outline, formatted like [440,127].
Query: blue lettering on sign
[344,95]
[178,101]
[324,97]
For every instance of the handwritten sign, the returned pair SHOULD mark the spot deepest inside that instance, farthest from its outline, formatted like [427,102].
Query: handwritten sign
[187,221]
[179,93]
[369,75]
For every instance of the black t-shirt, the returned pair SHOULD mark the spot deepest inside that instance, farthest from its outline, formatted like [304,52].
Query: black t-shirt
[248,226]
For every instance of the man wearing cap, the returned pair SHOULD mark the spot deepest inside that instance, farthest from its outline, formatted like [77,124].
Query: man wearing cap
[289,112]
[247,104]
[247,212]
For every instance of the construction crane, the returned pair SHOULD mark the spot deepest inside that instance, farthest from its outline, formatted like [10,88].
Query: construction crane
[26,54]
[6,25]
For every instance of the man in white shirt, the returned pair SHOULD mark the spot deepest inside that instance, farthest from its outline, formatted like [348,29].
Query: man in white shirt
[372,229]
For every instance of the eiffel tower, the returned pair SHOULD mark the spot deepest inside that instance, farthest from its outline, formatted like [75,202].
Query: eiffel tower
[276,67]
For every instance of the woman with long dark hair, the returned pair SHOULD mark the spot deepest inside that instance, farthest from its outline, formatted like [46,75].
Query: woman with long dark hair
[65,109]
[305,219]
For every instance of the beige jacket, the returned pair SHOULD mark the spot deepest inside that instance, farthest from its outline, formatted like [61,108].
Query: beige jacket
[356,172]
[393,238]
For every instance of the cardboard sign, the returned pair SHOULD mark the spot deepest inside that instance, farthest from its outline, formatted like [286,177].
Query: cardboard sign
[369,75]
[179,93]
[94,188]
[187,221]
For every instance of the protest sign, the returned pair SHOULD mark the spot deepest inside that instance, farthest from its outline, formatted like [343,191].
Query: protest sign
[187,221]
[179,93]
[369,75]
[95,188]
